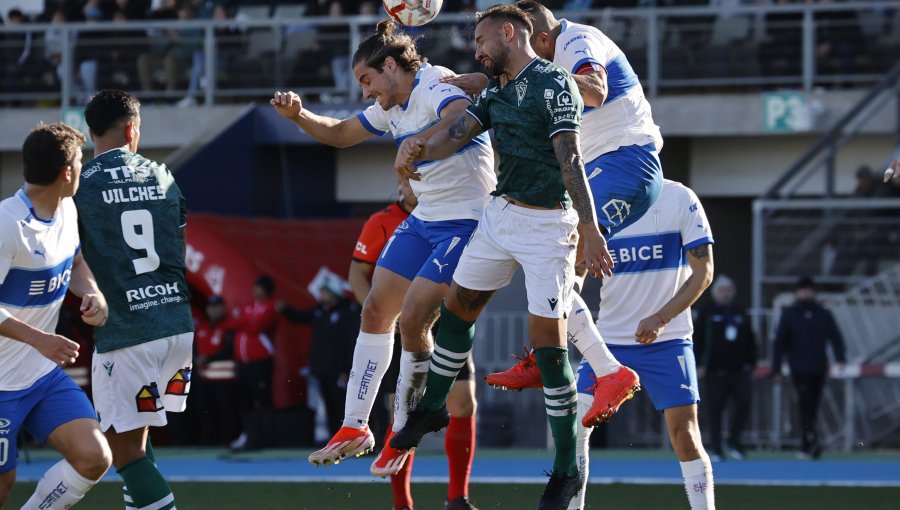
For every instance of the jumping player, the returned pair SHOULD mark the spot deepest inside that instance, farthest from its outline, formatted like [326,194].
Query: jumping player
[414,270]
[540,203]
[459,444]
[621,145]
[40,257]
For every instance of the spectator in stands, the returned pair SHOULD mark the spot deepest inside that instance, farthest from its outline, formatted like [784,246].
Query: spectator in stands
[335,40]
[185,48]
[254,346]
[149,62]
[16,48]
[780,53]
[335,323]
[90,45]
[726,357]
[864,243]
[805,331]
[54,39]
[213,388]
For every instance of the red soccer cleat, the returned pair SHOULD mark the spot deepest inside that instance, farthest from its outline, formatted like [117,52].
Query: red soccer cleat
[610,392]
[348,441]
[523,375]
[390,461]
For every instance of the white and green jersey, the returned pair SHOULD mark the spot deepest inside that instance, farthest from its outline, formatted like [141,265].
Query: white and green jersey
[132,218]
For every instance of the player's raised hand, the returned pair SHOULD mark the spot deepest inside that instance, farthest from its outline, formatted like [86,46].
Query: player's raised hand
[649,329]
[288,104]
[471,83]
[58,349]
[94,310]
[893,171]
[411,150]
[596,254]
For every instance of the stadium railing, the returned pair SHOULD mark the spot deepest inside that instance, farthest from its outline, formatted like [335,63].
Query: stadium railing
[685,49]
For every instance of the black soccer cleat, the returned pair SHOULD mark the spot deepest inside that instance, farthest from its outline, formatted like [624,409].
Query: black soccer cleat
[559,492]
[418,424]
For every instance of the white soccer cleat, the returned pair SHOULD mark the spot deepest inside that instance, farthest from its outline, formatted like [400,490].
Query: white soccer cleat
[347,442]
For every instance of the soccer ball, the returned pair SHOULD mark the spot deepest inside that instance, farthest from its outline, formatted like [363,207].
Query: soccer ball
[412,13]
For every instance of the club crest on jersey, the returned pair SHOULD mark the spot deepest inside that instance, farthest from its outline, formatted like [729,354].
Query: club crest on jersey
[147,399]
[548,93]
[180,383]
[616,211]
[521,88]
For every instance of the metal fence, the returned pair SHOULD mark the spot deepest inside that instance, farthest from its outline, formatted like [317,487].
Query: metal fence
[858,409]
[672,49]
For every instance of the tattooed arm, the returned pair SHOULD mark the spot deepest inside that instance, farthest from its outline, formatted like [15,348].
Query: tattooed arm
[568,152]
[442,144]
[700,259]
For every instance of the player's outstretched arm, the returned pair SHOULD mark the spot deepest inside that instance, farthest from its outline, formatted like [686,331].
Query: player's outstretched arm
[94,310]
[700,259]
[58,349]
[328,130]
[568,153]
[593,86]
[442,144]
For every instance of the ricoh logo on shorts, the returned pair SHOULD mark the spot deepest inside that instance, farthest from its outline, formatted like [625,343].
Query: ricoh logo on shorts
[366,379]
[38,287]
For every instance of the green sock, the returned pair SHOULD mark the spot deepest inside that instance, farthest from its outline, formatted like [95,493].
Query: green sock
[145,486]
[451,351]
[561,399]
[149,450]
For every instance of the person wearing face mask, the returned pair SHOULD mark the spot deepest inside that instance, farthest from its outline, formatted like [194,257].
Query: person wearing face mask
[726,357]
[804,332]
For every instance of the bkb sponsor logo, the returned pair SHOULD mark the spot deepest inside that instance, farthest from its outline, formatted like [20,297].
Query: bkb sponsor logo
[60,281]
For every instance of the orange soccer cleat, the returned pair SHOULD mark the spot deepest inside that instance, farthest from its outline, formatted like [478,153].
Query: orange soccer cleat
[346,442]
[610,392]
[390,461]
[523,375]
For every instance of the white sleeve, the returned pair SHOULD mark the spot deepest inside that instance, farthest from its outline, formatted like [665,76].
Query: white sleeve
[575,49]
[438,95]
[375,119]
[695,229]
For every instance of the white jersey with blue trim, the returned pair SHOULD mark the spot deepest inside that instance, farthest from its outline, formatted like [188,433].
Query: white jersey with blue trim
[36,259]
[651,265]
[625,117]
[456,188]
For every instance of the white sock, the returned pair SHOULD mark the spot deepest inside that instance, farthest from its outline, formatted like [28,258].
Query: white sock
[410,385]
[698,483]
[585,336]
[582,450]
[371,358]
[60,487]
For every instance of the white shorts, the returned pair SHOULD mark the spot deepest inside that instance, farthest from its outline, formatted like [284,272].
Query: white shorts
[133,387]
[541,241]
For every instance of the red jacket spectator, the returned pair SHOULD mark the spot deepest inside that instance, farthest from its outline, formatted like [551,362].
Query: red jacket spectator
[255,331]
